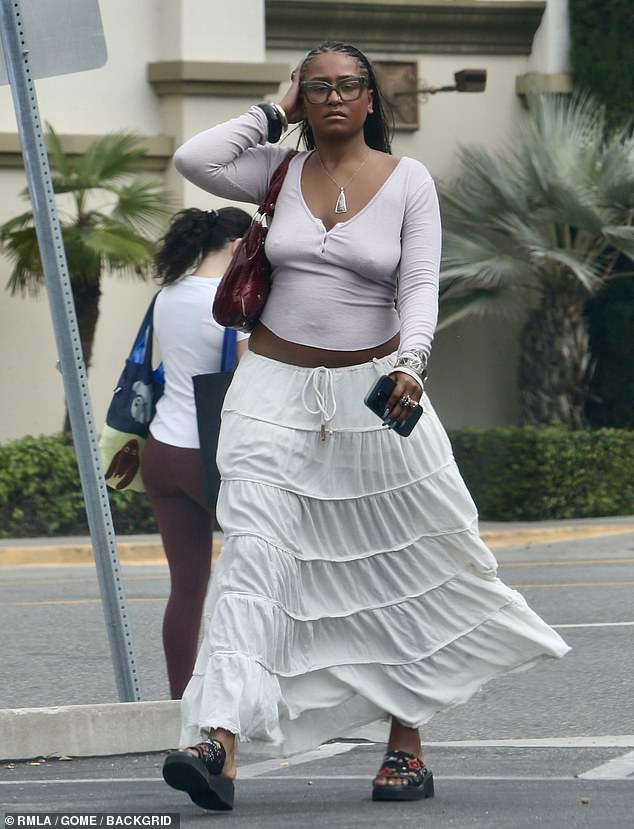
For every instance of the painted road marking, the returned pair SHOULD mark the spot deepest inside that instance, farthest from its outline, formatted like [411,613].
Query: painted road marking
[618,768]
[596,625]
[613,741]
[575,584]
[328,750]
[501,778]
[579,562]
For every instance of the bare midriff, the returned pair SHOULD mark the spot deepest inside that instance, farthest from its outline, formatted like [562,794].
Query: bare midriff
[267,344]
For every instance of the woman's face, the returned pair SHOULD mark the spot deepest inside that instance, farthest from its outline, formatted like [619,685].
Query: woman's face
[334,116]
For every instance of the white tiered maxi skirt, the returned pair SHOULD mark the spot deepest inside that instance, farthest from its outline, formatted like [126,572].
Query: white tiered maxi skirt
[352,583]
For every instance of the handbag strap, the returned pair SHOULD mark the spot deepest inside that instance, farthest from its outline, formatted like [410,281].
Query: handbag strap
[229,343]
[267,207]
[142,348]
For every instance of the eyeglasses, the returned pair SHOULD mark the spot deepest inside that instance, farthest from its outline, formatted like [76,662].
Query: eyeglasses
[348,89]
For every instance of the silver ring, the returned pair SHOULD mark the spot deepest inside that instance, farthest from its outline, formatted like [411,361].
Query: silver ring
[406,401]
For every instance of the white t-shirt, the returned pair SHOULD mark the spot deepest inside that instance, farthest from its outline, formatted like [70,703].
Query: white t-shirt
[190,342]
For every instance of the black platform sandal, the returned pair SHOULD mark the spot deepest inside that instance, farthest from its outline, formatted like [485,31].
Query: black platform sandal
[200,776]
[417,781]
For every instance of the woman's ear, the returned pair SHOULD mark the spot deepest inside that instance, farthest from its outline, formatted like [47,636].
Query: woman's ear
[234,244]
[370,101]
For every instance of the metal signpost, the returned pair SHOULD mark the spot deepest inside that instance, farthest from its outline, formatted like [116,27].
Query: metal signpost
[52,37]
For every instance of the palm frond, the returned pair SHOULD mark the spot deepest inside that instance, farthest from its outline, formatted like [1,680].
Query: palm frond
[84,262]
[21,247]
[565,127]
[561,262]
[622,238]
[616,182]
[486,186]
[110,159]
[481,303]
[144,205]
[58,160]
[120,248]
[20,222]
[477,259]
[545,209]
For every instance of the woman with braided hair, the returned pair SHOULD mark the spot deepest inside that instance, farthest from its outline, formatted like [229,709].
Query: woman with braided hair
[353,590]
[192,256]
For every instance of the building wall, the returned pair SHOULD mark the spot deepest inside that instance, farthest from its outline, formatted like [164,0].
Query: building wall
[473,364]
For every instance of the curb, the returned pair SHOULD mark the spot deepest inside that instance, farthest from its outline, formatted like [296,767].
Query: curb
[148,550]
[532,536]
[80,552]
[89,730]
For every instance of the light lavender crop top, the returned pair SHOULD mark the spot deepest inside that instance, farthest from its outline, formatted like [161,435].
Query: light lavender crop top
[335,289]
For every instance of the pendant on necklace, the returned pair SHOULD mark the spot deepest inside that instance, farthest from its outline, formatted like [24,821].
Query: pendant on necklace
[341,205]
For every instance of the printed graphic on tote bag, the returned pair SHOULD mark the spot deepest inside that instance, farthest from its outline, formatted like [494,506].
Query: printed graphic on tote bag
[125,464]
[141,407]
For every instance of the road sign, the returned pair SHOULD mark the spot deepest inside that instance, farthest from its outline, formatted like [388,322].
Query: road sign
[61,36]
[32,49]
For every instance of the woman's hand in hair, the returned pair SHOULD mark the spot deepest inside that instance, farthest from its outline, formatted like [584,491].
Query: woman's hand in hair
[291,103]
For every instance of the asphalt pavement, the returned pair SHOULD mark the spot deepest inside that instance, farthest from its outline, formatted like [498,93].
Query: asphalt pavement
[552,747]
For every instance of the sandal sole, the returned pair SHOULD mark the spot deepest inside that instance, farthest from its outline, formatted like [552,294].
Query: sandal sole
[187,773]
[404,791]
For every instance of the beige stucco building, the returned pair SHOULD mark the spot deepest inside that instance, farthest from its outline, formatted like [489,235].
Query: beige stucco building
[177,66]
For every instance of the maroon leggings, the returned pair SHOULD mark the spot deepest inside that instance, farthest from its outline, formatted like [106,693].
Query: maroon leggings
[174,482]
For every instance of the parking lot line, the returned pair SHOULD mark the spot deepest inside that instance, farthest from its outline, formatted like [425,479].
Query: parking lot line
[596,625]
[609,741]
[618,768]
[261,768]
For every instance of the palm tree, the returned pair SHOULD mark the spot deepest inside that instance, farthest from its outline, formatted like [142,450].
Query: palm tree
[539,227]
[114,217]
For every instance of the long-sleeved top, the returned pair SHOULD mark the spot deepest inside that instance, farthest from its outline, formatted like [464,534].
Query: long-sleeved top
[332,289]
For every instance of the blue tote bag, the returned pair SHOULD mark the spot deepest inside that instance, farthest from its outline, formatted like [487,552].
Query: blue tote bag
[131,410]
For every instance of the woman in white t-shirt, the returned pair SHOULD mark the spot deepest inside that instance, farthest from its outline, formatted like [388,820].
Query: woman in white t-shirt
[193,255]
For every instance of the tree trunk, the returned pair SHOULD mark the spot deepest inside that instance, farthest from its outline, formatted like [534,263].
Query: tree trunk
[555,361]
[86,297]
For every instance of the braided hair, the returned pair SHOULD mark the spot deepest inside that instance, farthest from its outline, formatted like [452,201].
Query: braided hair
[191,235]
[379,124]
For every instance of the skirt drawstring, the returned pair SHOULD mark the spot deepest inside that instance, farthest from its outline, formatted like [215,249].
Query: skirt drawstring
[377,365]
[320,382]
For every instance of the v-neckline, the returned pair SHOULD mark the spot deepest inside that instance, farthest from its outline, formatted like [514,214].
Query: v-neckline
[352,218]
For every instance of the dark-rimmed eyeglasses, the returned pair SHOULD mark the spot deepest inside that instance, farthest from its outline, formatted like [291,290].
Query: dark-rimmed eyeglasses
[348,89]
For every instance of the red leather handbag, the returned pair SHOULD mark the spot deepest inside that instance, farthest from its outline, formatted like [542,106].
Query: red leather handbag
[245,285]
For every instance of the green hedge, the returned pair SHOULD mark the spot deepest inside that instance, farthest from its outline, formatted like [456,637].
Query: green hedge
[539,473]
[514,474]
[40,493]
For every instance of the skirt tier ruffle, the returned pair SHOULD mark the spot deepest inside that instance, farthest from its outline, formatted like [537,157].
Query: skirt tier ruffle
[352,583]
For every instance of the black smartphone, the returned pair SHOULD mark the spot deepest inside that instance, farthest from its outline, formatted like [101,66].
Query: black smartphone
[376,400]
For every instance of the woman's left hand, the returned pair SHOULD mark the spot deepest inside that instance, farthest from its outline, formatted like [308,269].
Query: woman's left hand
[405,397]
[291,103]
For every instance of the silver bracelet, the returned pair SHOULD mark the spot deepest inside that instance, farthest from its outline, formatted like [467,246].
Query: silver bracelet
[414,360]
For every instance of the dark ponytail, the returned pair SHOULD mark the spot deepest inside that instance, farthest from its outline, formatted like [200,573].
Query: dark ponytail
[193,234]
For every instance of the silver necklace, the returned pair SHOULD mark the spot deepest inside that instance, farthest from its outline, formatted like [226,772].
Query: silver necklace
[341,205]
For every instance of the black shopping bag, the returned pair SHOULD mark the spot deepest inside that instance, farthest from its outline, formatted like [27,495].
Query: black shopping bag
[209,394]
